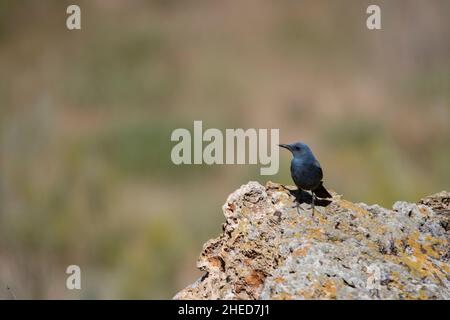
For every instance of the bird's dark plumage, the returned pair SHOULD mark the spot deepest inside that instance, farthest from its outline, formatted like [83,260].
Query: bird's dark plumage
[321,192]
[306,170]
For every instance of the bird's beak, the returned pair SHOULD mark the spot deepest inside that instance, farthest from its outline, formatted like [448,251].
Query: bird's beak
[286,146]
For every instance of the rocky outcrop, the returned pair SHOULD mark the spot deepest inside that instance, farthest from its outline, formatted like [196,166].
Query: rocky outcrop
[269,249]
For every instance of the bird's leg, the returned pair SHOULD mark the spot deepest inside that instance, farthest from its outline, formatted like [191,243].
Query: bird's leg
[297,206]
[312,202]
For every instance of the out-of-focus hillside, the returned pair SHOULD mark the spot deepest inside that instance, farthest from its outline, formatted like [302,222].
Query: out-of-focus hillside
[86,118]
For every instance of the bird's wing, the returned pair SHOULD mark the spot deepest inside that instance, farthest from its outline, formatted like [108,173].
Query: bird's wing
[319,169]
[321,192]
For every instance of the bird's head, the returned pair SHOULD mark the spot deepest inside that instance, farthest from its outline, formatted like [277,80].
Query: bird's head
[297,148]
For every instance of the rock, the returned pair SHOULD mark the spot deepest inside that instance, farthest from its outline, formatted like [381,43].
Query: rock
[269,250]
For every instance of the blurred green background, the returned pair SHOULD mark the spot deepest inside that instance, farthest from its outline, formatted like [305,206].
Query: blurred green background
[86,118]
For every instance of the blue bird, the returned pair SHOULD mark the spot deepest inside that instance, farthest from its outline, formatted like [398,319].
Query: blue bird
[306,170]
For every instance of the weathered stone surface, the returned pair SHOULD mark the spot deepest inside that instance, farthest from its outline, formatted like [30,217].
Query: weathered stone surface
[269,250]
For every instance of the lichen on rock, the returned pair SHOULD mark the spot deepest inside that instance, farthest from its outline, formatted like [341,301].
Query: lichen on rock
[269,249]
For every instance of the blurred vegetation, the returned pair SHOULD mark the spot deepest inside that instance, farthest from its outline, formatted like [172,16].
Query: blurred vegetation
[86,118]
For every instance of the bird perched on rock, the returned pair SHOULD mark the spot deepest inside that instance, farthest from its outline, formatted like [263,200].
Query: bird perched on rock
[306,171]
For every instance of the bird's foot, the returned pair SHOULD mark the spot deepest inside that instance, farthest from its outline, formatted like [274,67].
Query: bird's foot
[297,206]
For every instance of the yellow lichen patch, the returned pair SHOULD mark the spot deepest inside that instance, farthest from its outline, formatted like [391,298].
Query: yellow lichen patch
[395,281]
[359,237]
[294,224]
[320,290]
[325,290]
[283,296]
[314,233]
[380,229]
[398,243]
[353,207]
[423,295]
[305,294]
[430,243]
[301,220]
[418,262]
[245,211]
[373,246]
[329,288]
[297,235]
[322,220]
[241,227]
[395,277]
[343,226]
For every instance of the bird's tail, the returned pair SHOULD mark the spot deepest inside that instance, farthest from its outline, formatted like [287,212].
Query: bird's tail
[321,192]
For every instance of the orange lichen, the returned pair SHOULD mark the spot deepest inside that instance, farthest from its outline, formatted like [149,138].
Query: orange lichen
[306,294]
[215,262]
[283,296]
[301,252]
[319,290]
[329,288]
[255,279]
[423,211]
[279,280]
